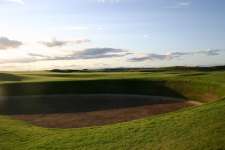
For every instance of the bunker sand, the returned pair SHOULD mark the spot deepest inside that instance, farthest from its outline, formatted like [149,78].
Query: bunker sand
[149,106]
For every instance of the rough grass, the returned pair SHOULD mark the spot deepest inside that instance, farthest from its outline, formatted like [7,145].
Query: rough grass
[193,128]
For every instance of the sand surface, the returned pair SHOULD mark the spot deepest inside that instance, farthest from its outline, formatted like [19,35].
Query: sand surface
[75,111]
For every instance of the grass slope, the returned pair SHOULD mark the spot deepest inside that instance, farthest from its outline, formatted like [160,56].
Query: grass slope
[195,85]
[193,128]
[196,128]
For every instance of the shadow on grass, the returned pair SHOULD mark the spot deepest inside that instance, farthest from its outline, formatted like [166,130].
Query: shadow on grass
[75,103]
[9,77]
[67,104]
[114,86]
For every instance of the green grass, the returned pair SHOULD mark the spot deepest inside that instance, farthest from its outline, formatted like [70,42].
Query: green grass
[191,85]
[193,128]
[197,128]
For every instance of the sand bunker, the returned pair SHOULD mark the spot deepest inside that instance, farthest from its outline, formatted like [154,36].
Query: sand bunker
[75,111]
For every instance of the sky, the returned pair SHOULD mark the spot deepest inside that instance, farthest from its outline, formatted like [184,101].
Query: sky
[93,34]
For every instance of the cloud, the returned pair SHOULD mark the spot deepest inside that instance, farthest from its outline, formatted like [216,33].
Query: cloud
[148,57]
[174,55]
[57,43]
[180,4]
[37,55]
[92,53]
[13,1]
[82,41]
[108,1]
[184,4]
[87,54]
[212,52]
[6,43]
[100,53]
[54,43]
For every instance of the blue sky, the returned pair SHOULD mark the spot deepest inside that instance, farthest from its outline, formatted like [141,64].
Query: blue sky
[110,33]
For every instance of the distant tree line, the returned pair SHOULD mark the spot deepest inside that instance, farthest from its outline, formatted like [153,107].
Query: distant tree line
[178,68]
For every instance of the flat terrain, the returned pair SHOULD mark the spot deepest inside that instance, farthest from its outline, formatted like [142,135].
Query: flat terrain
[198,127]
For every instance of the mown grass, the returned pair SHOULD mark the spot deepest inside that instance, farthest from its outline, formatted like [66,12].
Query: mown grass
[193,128]
[202,86]
[196,128]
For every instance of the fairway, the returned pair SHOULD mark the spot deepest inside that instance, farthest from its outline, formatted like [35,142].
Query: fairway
[106,103]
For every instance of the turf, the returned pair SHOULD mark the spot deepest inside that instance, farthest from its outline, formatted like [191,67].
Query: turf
[196,128]
[201,86]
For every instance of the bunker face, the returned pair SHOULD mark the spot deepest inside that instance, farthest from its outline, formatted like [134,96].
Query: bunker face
[70,111]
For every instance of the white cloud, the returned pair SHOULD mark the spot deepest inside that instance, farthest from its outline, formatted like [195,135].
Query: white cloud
[60,43]
[6,43]
[180,4]
[108,1]
[174,55]
[14,1]
[184,4]
[91,53]
[86,54]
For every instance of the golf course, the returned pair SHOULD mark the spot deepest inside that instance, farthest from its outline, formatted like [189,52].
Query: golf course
[112,75]
[167,109]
